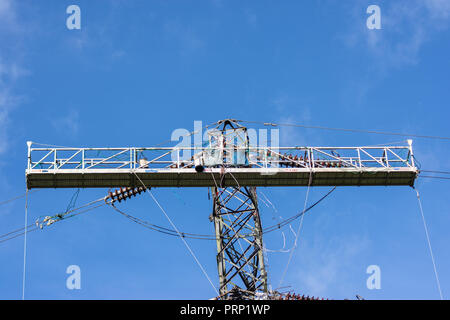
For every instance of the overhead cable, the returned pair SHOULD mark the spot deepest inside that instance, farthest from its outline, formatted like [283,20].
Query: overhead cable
[347,130]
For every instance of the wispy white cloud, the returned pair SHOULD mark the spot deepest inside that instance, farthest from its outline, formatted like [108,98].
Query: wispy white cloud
[217,3]
[326,265]
[7,14]
[406,26]
[67,123]
[7,102]
[251,18]
[10,72]
[78,40]
[187,38]
[290,110]
[439,9]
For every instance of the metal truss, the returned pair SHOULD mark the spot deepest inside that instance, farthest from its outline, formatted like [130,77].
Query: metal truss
[251,166]
[161,159]
[237,224]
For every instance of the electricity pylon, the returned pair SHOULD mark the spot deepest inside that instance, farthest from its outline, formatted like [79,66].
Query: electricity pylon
[232,165]
[239,239]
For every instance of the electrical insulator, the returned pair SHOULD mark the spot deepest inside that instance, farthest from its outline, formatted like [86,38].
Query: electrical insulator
[124,193]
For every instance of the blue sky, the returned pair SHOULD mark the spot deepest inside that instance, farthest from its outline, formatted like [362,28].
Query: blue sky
[137,70]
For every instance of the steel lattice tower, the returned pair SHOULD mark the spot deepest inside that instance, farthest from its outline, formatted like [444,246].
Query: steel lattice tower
[238,232]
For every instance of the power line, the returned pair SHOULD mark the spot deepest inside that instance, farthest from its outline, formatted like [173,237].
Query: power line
[432,171]
[15,231]
[434,177]
[18,235]
[347,130]
[197,236]
[17,197]
[160,229]
[33,227]
[55,218]
[289,220]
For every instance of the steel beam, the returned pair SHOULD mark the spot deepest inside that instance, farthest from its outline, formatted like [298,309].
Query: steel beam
[256,177]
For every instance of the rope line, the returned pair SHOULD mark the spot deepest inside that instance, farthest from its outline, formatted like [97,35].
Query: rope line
[25,246]
[176,229]
[429,244]
[298,231]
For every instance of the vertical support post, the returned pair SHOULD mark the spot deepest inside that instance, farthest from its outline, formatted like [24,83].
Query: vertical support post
[131,158]
[29,143]
[386,156]
[82,159]
[220,252]
[54,159]
[359,158]
[240,255]
[411,154]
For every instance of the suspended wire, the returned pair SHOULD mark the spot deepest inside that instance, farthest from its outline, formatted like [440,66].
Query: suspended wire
[347,130]
[58,217]
[429,244]
[283,250]
[434,177]
[81,212]
[173,226]
[25,245]
[32,227]
[187,135]
[17,197]
[417,162]
[18,235]
[298,231]
[73,200]
[386,144]
[50,145]
[15,231]
[289,220]
[157,145]
[197,236]
[160,229]
[433,171]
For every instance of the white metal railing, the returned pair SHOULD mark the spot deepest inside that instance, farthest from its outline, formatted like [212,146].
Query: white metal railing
[185,157]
